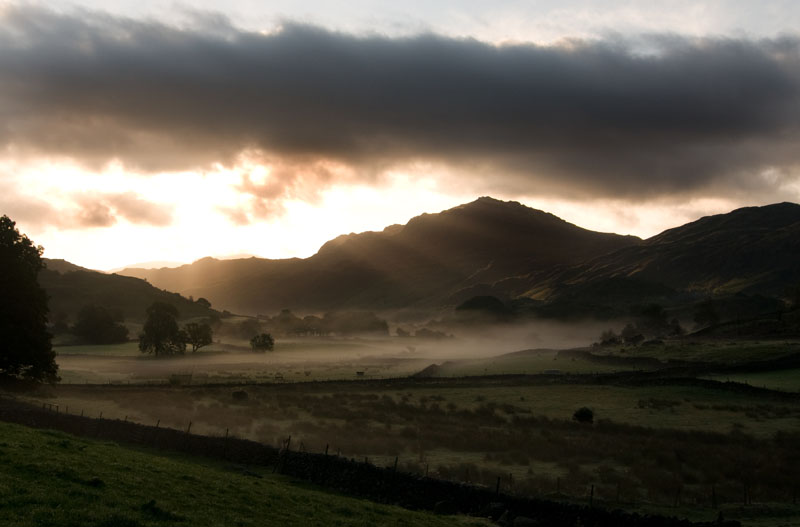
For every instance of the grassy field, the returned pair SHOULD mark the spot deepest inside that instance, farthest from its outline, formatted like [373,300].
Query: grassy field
[307,359]
[784,380]
[647,442]
[726,352]
[51,478]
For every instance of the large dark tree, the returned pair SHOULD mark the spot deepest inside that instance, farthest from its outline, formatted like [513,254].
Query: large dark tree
[25,347]
[98,325]
[161,335]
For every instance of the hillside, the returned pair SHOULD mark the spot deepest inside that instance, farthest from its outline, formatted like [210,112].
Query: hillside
[60,479]
[433,260]
[71,287]
[749,252]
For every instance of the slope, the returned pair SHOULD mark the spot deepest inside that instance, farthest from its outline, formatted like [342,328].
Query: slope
[749,251]
[71,287]
[53,478]
[424,263]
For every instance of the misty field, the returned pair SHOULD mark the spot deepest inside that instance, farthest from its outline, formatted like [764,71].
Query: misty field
[308,359]
[460,410]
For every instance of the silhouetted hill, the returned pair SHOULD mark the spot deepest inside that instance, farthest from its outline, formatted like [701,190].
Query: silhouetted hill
[750,251]
[434,260]
[71,287]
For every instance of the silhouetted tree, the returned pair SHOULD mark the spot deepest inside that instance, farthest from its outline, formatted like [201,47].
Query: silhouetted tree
[161,335]
[262,342]
[198,334]
[98,325]
[203,302]
[609,338]
[631,335]
[705,314]
[583,415]
[25,344]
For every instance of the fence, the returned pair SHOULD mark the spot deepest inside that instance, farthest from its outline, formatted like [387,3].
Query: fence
[383,484]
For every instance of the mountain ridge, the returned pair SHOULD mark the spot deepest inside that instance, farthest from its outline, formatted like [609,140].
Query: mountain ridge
[421,263]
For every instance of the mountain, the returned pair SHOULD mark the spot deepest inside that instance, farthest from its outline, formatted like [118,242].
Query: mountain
[433,260]
[71,287]
[751,251]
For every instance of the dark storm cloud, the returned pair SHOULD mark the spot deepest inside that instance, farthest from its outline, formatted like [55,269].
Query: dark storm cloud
[598,117]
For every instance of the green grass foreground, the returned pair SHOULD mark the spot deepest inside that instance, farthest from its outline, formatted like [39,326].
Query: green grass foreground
[52,478]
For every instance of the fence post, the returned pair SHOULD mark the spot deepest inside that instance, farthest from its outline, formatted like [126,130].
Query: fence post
[591,497]
[497,487]
[326,449]
[713,496]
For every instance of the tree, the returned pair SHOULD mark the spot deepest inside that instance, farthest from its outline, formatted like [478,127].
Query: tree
[98,325]
[262,342]
[198,334]
[609,338]
[161,335]
[25,344]
[203,302]
[583,415]
[630,334]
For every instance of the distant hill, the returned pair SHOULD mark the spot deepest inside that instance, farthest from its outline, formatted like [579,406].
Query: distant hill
[751,251]
[433,260]
[71,287]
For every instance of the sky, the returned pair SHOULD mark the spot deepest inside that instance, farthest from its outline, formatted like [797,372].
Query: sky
[162,131]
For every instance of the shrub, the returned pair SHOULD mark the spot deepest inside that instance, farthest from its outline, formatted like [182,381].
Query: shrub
[583,415]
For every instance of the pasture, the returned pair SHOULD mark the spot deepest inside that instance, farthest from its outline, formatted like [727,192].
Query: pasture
[652,445]
[52,478]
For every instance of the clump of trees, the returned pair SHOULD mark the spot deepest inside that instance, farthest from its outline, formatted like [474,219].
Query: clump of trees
[99,325]
[26,349]
[286,323]
[651,321]
[161,334]
[262,342]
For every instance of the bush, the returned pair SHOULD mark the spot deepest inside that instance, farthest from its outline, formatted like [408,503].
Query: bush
[583,415]
[262,342]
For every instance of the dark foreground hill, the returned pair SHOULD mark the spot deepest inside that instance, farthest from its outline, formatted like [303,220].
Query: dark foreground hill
[71,287]
[433,260]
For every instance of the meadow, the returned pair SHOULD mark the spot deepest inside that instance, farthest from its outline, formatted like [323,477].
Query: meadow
[473,417]
[52,478]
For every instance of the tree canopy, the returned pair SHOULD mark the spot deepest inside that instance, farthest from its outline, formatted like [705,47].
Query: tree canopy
[161,335]
[198,334]
[25,344]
